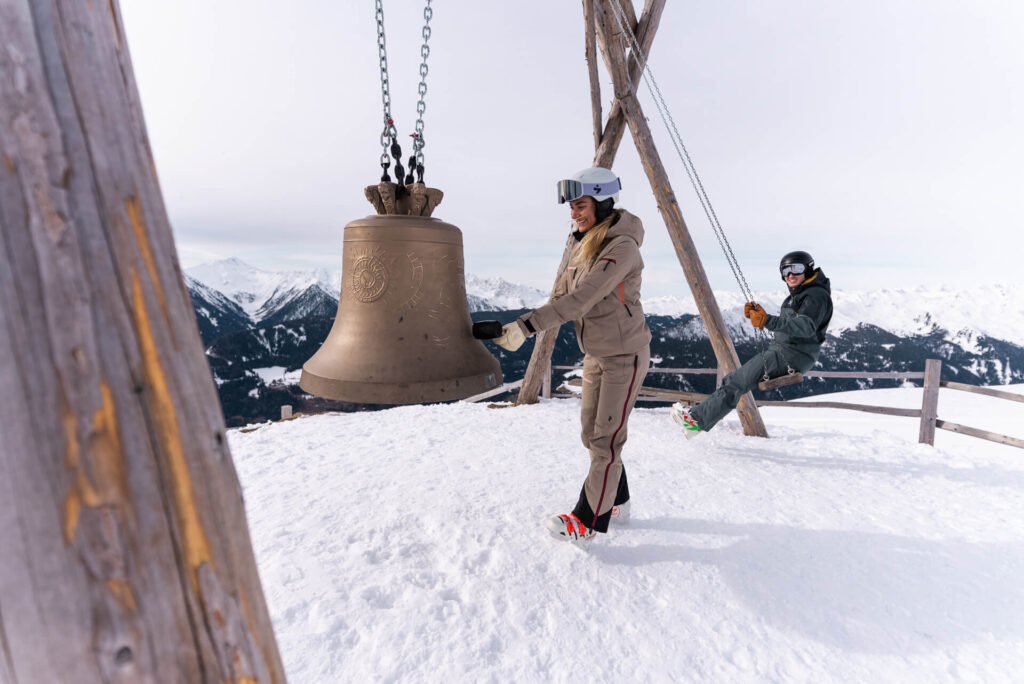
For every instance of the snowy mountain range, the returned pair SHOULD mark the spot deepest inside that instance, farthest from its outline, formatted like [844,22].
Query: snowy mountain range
[241,295]
[260,326]
[232,295]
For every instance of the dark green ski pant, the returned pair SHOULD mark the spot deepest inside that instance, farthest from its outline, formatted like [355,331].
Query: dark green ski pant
[744,379]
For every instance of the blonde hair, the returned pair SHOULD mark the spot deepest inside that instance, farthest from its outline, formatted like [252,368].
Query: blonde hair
[593,240]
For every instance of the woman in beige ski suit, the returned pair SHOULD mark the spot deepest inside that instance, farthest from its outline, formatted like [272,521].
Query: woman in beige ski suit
[599,290]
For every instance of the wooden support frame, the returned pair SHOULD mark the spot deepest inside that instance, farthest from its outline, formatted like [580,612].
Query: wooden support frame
[600,19]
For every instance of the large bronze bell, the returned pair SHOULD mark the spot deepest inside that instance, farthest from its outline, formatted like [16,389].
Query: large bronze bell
[402,334]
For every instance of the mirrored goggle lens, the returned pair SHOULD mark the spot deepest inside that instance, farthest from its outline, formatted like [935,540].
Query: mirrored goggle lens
[569,190]
[792,268]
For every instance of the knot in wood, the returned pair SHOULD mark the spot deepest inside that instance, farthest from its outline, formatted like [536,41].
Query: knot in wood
[123,656]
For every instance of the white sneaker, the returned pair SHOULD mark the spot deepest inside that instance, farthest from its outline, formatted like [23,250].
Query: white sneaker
[681,417]
[569,528]
[620,514]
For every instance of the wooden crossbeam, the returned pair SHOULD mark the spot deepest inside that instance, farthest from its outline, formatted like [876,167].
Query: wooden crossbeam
[616,124]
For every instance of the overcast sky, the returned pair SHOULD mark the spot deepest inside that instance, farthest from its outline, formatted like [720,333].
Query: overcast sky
[884,137]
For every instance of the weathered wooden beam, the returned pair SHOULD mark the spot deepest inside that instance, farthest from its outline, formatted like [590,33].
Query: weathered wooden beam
[672,395]
[544,344]
[686,251]
[694,371]
[986,391]
[655,392]
[866,408]
[867,375]
[980,434]
[125,549]
[930,400]
[616,124]
[590,53]
[507,387]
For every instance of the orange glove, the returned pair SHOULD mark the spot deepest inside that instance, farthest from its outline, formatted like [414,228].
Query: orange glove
[756,314]
[747,308]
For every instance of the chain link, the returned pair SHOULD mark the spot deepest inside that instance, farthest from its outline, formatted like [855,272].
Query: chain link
[418,142]
[389,134]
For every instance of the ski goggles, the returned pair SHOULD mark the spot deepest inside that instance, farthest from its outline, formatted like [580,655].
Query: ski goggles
[792,269]
[569,190]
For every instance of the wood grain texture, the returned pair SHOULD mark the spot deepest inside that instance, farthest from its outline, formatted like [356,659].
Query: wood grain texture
[985,391]
[930,401]
[616,125]
[544,344]
[864,408]
[590,54]
[122,524]
[980,434]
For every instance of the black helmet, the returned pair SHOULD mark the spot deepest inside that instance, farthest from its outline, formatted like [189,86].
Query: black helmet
[797,258]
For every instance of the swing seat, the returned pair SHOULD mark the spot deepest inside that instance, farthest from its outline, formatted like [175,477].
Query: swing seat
[781,381]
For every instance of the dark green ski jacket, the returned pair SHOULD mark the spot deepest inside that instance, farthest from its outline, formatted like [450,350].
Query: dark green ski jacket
[805,315]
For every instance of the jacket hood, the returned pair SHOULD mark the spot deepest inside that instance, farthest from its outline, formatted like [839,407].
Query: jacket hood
[817,280]
[629,225]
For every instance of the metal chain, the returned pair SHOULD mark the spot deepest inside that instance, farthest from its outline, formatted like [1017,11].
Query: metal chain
[418,142]
[389,135]
[691,171]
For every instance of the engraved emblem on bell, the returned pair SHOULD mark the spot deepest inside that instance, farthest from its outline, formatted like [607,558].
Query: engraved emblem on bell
[369,278]
[405,335]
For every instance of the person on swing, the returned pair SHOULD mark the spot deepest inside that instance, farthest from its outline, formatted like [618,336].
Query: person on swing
[599,290]
[799,333]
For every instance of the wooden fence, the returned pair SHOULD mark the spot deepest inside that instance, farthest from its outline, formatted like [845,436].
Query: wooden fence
[927,414]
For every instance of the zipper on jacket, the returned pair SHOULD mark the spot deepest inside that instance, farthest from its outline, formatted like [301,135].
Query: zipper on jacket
[623,300]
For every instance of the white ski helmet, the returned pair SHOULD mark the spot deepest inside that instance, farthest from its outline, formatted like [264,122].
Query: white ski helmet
[597,182]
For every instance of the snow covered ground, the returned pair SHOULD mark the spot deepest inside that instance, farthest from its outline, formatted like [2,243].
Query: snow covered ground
[407,545]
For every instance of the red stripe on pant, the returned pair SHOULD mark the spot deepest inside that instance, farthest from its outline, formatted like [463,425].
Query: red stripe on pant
[611,446]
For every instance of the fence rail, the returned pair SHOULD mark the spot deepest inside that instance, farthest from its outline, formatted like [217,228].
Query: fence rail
[987,391]
[927,414]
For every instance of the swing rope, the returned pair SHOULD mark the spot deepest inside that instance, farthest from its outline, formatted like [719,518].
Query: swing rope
[684,155]
[691,171]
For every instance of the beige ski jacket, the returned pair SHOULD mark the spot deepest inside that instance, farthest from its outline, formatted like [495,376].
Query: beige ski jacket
[602,297]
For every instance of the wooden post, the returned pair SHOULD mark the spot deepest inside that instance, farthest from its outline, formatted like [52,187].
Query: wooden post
[590,54]
[286,411]
[930,401]
[616,124]
[686,251]
[543,345]
[604,155]
[124,549]
[546,392]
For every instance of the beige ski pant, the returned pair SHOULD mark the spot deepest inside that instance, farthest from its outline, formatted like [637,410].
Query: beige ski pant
[610,388]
